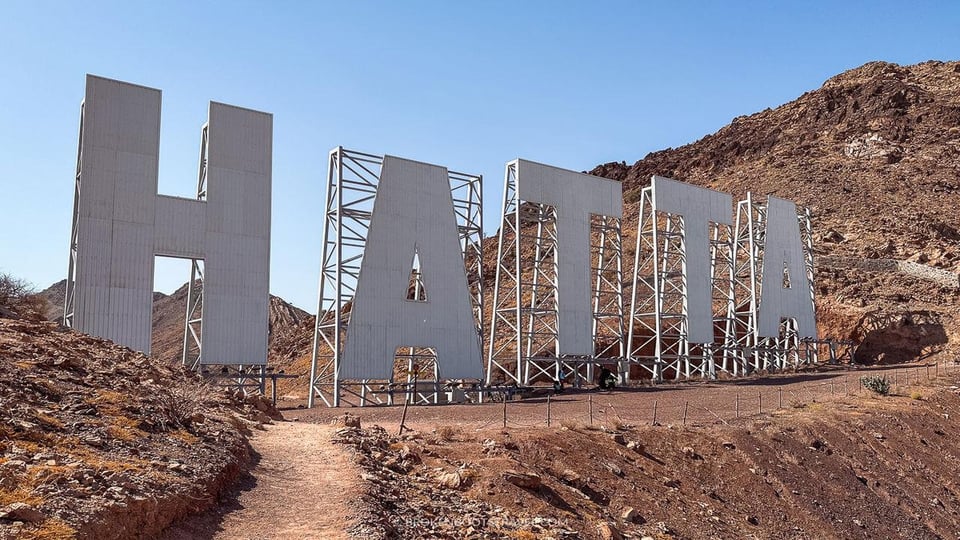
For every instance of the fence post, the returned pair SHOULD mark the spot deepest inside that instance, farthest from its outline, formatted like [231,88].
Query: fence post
[403,416]
[548,411]
[504,410]
[590,404]
[685,413]
[654,412]
[779,397]
[760,401]
[737,407]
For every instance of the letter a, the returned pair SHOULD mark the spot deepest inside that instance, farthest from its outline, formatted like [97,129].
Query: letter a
[413,213]
[783,250]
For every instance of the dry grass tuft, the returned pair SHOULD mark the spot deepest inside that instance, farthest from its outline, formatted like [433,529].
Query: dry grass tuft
[448,433]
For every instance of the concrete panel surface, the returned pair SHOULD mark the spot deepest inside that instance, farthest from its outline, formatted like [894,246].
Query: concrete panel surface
[122,223]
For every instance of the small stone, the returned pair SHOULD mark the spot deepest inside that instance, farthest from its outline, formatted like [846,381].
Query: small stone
[858,523]
[879,436]
[451,480]
[571,477]
[753,520]
[347,420]
[618,438]
[690,453]
[51,463]
[628,514]
[728,445]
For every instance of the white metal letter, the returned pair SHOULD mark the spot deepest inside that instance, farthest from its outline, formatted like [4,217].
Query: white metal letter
[413,213]
[575,196]
[699,207]
[783,251]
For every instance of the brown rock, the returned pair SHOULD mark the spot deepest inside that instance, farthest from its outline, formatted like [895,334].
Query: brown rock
[524,480]
[607,531]
[347,420]
[19,511]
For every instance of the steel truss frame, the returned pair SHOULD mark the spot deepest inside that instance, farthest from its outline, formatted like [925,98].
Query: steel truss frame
[352,179]
[657,336]
[70,292]
[524,331]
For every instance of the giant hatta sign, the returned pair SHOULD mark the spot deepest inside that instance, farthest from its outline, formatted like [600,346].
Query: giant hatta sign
[120,223]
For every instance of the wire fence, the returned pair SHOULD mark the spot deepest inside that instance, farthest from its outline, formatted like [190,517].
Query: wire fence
[693,404]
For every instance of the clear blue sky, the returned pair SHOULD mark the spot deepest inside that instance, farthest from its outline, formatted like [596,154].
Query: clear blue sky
[468,85]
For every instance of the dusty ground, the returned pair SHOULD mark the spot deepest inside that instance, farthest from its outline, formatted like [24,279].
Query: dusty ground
[705,402]
[849,465]
[301,487]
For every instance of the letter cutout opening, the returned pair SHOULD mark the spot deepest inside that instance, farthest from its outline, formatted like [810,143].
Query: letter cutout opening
[783,250]
[413,213]
[699,207]
[575,196]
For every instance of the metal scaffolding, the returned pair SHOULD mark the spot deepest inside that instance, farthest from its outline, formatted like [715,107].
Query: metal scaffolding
[352,180]
[524,330]
[657,335]
[69,297]
[193,319]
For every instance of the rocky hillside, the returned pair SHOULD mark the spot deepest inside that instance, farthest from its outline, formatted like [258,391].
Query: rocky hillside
[98,441]
[856,466]
[875,154]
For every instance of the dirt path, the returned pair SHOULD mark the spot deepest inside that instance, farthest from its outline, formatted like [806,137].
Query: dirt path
[302,487]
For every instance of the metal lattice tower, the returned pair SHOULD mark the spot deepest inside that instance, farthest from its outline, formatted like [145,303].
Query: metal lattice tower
[524,331]
[657,336]
[352,180]
[193,321]
[70,292]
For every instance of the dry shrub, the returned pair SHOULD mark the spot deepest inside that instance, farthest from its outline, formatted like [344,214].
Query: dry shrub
[179,404]
[572,425]
[447,433]
[916,395]
[19,296]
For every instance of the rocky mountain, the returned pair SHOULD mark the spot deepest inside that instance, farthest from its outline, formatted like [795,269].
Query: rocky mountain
[875,154]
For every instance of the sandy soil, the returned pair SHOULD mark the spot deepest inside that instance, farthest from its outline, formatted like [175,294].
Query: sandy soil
[699,402]
[301,487]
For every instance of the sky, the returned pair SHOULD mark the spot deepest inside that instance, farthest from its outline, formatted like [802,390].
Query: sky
[467,85]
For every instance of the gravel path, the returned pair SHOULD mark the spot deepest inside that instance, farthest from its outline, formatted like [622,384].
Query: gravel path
[303,486]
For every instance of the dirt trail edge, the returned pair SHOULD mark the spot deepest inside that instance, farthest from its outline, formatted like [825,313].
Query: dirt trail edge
[303,486]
